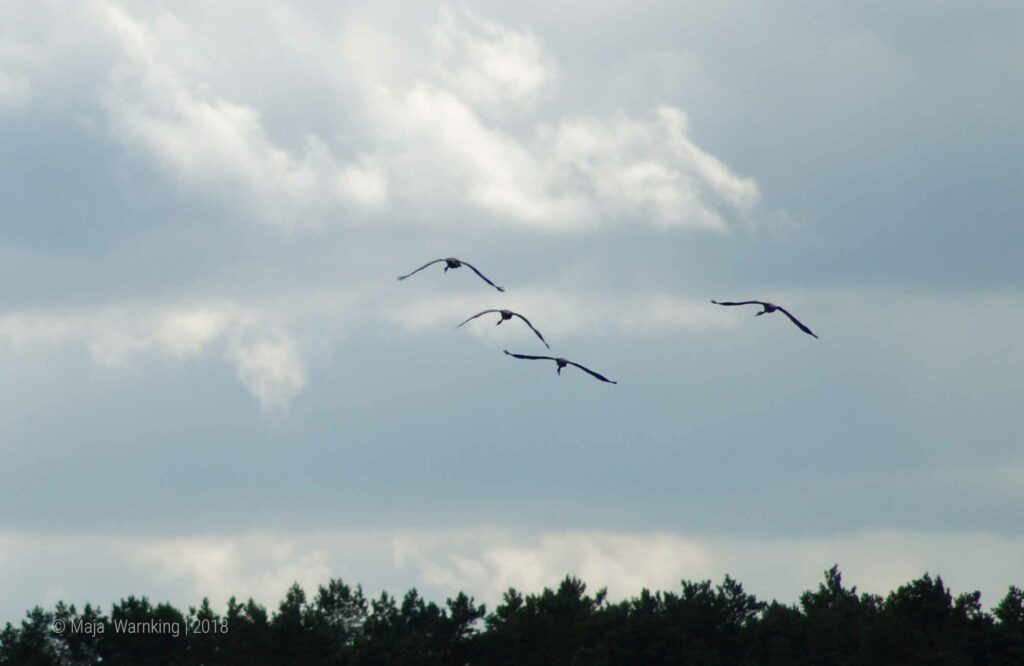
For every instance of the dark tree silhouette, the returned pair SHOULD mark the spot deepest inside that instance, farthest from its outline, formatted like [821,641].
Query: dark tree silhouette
[1008,635]
[703,624]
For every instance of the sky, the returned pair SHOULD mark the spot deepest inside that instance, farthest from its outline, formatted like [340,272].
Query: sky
[213,385]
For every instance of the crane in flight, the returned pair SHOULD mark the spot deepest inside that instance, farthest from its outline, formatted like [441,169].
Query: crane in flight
[505,316]
[452,263]
[561,363]
[768,308]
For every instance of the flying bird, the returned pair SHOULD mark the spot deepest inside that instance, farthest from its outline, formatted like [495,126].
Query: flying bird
[561,363]
[770,307]
[452,262]
[505,316]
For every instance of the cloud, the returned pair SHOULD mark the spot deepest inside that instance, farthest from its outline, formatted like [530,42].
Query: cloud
[489,65]
[113,335]
[15,86]
[257,565]
[562,313]
[264,352]
[271,369]
[15,90]
[455,121]
[485,562]
[186,332]
[474,164]
[267,343]
[219,146]
[624,563]
[649,168]
[572,174]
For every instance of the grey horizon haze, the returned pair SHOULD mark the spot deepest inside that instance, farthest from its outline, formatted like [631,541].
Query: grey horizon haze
[213,385]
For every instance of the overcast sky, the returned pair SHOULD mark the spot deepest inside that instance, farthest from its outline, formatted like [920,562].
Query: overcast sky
[213,384]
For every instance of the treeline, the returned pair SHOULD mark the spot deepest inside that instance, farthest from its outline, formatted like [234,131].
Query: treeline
[701,624]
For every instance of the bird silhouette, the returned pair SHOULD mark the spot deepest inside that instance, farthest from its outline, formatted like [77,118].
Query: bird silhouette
[768,308]
[561,363]
[505,316]
[451,263]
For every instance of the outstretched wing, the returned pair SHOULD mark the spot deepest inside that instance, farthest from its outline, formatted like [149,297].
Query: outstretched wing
[592,373]
[402,277]
[797,322]
[478,314]
[739,302]
[482,276]
[530,358]
[533,329]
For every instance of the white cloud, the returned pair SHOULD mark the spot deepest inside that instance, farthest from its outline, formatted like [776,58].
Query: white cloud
[624,563]
[272,369]
[443,142]
[572,175]
[650,168]
[438,122]
[267,344]
[261,566]
[265,354]
[219,146]
[187,332]
[447,147]
[485,562]
[490,65]
[113,335]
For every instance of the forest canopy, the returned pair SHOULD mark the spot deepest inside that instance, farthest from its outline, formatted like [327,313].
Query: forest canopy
[920,622]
